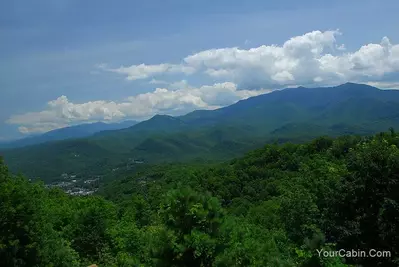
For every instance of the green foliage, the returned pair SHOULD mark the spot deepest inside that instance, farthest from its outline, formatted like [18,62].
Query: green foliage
[88,231]
[3,170]
[368,207]
[21,226]
[299,214]
[192,223]
[26,234]
[247,244]
[276,206]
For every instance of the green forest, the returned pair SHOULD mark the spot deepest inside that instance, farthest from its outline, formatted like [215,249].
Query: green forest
[279,205]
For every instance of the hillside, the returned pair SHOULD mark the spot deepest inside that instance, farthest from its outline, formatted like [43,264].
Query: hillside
[278,205]
[295,115]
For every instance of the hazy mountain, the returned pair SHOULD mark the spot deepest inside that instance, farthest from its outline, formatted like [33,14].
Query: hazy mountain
[296,114]
[77,131]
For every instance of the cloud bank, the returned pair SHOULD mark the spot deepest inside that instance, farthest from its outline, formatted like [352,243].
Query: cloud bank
[315,57]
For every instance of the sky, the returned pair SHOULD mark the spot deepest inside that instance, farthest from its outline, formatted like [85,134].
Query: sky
[68,62]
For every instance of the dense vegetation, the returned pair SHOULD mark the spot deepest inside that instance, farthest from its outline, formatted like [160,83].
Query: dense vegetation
[274,207]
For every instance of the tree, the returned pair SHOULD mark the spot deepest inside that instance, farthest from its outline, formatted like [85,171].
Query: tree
[20,224]
[368,212]
[192,223]
[247,244]
[300,214]
[88,231]
[3,171]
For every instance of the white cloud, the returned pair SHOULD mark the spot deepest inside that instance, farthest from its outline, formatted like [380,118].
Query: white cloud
[385,85]
[143,71]
[183,84]
[61,112]
[155,81]
[341,47]
[40,128]
[315,57]
[180,98]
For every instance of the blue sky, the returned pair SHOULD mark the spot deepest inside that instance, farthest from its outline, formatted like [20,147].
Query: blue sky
[66,62]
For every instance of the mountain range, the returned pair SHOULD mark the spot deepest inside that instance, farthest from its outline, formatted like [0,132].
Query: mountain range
[77,131]
[294,114]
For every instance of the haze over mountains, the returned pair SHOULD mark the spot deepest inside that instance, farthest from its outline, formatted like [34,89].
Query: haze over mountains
[296,114]
[78,131]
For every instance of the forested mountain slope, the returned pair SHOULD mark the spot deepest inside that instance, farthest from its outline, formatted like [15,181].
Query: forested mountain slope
[77,131]
[295,114]
[276,206]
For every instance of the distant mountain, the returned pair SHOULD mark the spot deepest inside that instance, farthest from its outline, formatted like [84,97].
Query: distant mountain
[295,114]
[72,132]
[348,103]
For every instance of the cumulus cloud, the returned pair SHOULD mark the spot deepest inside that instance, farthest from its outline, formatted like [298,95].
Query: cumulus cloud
[143,71]
[155,81]
[179,99]
[384,85]
[61,113]
[315,57]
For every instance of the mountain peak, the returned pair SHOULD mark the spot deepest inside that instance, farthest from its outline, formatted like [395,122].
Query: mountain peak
[351,83]
[162,116]
[356,86]
[159,123]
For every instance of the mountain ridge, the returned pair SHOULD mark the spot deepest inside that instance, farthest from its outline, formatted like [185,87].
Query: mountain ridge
[294,114]
[70,132]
